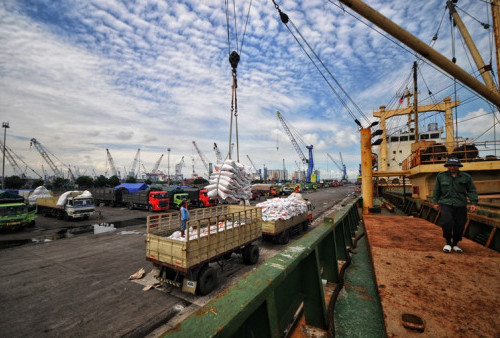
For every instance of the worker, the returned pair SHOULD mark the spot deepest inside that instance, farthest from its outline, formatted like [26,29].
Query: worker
[184,216]
[296,194]
[451,190]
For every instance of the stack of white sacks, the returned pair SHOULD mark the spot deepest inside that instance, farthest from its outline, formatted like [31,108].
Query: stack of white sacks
[230,182]
[276,209]
[193,233]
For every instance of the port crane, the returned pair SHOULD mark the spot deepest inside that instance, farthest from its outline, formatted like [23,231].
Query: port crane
[46,157]
[8,153]
[112,164]
[201,158]
[178,169]
[254,168]
[341,168]
[344,170]
[217,152]
[135,164]
[310,161]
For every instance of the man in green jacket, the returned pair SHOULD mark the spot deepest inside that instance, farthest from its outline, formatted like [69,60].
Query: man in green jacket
[451,190]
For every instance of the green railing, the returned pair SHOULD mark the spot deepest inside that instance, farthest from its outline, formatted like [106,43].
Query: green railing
[265,302]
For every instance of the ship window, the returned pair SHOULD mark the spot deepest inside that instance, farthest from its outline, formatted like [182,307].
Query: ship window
[394,151]
[404,138]
[394,139]
[435,135]
[424,136]
[412,137]
[400,151]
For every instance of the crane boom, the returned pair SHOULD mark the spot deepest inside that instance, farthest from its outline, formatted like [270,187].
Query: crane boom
[309,161]
[8,153]
[157,165]
[341,168]
[135,164]
[201,156]
[111,163]
[46,157]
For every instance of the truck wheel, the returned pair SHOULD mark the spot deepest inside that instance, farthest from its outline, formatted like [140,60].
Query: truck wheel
[60,215]
[207,280]
[305,226]
[112,204]
[201,205]
[251,254]
[66,216]
[150,208]
[284,237]
[130,206]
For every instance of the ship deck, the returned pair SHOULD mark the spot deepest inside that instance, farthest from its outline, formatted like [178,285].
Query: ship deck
[421,288]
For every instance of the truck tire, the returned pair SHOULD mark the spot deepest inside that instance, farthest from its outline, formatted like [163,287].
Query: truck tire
[66,216]
[201,205]
[251,254]
[60,214]
[207,280]
[284,237]
[130,206]
[150,208]
[112,204]
[305,226]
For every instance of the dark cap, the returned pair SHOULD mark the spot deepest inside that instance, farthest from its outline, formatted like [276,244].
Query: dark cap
[184,201]
[453,161]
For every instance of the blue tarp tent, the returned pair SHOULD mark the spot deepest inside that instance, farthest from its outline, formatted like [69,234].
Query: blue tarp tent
[132,187]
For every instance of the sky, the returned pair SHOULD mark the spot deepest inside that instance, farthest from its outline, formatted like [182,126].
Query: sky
[85,76]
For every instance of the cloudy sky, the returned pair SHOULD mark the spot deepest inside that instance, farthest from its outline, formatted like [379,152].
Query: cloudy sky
[83,76]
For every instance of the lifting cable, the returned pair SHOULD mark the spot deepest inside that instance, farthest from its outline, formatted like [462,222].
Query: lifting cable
[234,59]
[285,19]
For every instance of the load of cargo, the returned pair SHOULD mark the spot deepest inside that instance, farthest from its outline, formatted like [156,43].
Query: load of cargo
[214,233]
[230,182]
[282,217]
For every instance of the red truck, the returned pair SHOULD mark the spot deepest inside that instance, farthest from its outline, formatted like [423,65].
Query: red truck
[198,198]
[151,200]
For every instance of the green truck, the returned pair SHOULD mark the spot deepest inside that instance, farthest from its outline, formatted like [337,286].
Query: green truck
[15,214]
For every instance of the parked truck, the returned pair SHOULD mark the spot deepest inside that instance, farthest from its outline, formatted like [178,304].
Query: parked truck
[176,196]
[109,196]
[152,200]
[70,205]
[266,190]
[280,230]
[14,213]
[212,234]
[198,198]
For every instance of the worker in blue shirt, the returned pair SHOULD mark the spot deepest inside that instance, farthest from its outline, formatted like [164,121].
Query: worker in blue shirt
[184,216]
[451,191]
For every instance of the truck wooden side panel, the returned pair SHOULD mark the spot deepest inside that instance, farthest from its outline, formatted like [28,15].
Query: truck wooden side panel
[49,202]
[275,227]
[184,255]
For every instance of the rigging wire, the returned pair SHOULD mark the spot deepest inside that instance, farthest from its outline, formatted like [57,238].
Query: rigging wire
[234,59]
[285,19]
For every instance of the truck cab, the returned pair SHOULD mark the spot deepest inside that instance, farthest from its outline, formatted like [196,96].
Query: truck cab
[15,216]
[158,200]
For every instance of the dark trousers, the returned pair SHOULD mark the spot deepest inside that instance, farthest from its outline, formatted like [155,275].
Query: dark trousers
[453,219]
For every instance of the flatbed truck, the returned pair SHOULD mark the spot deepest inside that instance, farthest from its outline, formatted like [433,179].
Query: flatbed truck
[76,206]
[185,262]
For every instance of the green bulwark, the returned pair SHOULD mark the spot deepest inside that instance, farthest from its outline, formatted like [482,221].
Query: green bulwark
[266,302]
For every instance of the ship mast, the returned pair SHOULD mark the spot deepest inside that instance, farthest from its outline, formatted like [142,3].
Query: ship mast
[495,14]
[423,49]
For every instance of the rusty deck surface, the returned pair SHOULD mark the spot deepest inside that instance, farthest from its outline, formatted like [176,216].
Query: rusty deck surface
[454,294]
